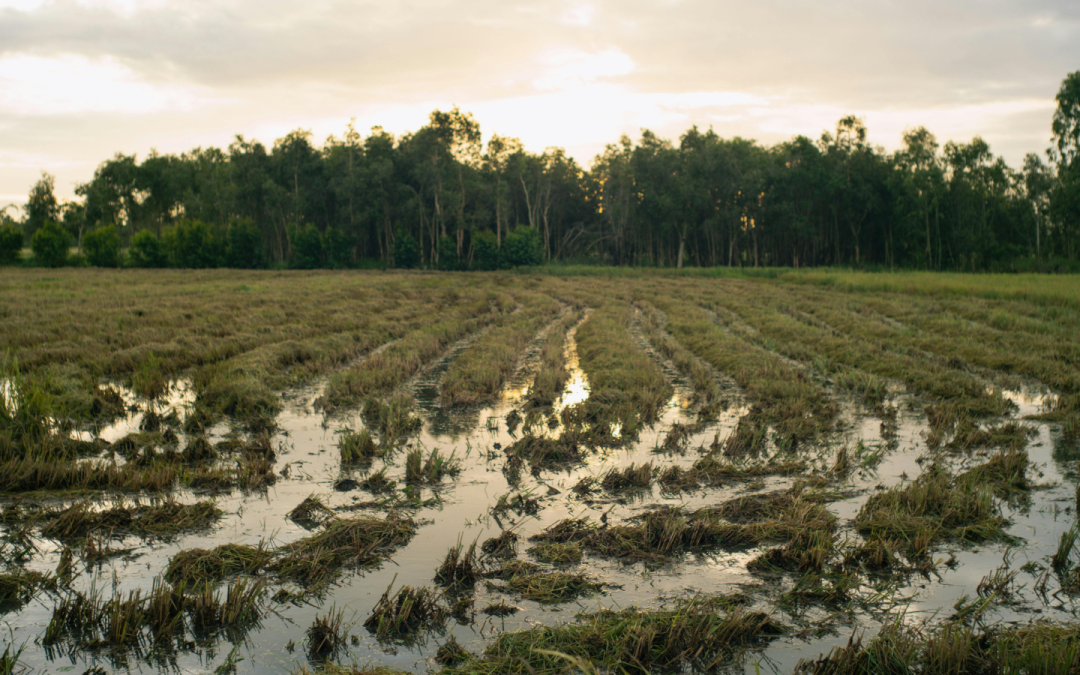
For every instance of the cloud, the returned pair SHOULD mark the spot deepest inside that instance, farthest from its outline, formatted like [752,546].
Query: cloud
[70,83]
[82,79]
[571,68]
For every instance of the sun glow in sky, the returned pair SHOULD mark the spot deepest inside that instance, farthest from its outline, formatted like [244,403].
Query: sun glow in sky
[83,79]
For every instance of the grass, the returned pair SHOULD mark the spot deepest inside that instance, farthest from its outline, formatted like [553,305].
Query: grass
[317,559]
[938,505]
[553,587]
[166,517]
[692,634]
[477,374]
[311,512]
[18,586]
[327,634]
[90,620]
[900,647]
[358,446]
[627,389]
[197,566]
[459,567]
[661,532]
[557,552]
[406,611]
[431,470]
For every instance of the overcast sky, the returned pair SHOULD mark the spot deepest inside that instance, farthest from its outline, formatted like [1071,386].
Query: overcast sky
[83,79]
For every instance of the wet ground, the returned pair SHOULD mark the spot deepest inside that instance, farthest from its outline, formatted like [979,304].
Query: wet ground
[460,510]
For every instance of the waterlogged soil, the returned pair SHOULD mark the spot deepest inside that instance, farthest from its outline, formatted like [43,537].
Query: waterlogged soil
[459,510]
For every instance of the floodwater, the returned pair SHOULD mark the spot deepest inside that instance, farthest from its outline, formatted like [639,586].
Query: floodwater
[460,512]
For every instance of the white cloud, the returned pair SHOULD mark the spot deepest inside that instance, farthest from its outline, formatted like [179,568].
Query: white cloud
[570,68]
[37,85]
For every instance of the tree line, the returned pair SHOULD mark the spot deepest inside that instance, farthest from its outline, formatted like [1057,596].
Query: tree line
[438,198]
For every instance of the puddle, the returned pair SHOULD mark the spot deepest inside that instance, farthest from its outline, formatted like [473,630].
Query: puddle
[577,387]
[307,446]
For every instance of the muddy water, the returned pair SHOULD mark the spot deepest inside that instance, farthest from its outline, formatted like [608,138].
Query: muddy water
[308,447]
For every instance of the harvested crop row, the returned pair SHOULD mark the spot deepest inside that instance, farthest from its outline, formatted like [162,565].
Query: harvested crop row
[626,386]
[784,397]
[477,374]
[959,330]
[392,367]
[707,391]
[844,338]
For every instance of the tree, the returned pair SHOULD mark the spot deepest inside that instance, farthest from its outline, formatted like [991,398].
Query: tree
[41,205]
[102,247]
[523,247]
[146,250]
[11,243]
[448,257]
[307,248]
[50,245]
[190,244]
[485,251]
[338,247]
[1065,197]
[245,245]
[406,251]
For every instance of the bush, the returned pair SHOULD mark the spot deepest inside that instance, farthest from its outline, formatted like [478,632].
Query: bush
[50,245]
[11,242]
[245,245]
[523,247]
[191,244]
[102,246]
[448,255]
[338,248]
[406,251]
[485,251]
[307,248]
[146,251]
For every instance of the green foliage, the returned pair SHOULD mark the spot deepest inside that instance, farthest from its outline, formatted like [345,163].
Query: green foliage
[146,250]
[485,251]
[523,247]
[406,251]
[191,245]
[245,245]
[338,247]
[449,260]
[50,245]
[307,248]
[11,242]
[102,247]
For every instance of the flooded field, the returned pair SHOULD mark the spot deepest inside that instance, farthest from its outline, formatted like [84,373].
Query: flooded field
[259,472]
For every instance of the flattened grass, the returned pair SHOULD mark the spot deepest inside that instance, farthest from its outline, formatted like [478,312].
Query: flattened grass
[694,634]
[160,518]
[938,505]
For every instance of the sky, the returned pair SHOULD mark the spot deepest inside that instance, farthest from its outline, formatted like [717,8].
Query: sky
[81,80]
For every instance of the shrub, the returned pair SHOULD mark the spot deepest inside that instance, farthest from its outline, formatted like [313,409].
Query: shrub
[50,245]
[102,246]
[11,242]
[406,251]
[448,255]
[191,244]
[523,247]
[307,248]
[338,248]
[146,250]
[245,245]
[485,251]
